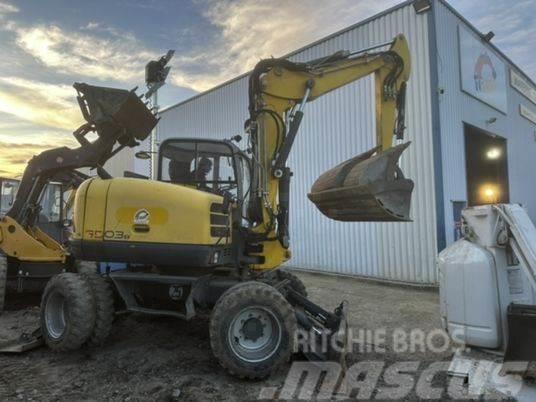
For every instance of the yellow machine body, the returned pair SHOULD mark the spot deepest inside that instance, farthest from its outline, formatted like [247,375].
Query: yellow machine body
[135,220]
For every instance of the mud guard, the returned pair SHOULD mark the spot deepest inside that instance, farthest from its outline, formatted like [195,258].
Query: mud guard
[367,188]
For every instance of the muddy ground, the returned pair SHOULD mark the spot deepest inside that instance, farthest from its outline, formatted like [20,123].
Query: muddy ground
[148,358]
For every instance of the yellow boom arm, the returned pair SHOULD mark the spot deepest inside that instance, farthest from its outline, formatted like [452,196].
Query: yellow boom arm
[279,91]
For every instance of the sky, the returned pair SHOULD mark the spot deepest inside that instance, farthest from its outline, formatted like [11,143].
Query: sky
[48,45]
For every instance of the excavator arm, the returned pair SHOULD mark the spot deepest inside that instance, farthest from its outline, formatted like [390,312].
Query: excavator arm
[369,187]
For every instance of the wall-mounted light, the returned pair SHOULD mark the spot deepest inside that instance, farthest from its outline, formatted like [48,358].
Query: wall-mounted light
[489,193]
[421,6]
[493,153]
[489,36]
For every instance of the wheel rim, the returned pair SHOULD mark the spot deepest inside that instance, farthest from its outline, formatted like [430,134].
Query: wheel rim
[255,334]
[55,315]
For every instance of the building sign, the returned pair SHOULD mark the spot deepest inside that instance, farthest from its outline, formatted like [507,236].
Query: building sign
[523,86]
[527,113]
[483,74]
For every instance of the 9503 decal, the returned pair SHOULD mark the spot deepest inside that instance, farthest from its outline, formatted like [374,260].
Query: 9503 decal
[106,235]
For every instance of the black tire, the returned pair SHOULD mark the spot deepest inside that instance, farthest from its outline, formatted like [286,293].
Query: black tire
[86,267]
[258,303]
[3,282]
[67,312]
[104,302]
[295,283]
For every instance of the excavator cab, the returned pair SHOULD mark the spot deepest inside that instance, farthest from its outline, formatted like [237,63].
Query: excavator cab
[217,167]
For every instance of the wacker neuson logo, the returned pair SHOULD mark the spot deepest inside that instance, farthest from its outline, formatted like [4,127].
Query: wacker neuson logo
[142,217]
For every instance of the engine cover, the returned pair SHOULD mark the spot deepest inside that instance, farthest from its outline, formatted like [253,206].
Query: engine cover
[143,221]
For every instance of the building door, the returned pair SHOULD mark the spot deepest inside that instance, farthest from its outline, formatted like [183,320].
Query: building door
[486,167]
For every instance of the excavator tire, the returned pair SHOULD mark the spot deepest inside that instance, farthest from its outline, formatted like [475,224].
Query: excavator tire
[3,282]
[104,302]
[86,268]
[252,329]
[68,312]
[295,283]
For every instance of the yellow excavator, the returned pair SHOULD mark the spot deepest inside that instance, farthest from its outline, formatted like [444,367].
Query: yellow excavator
[213,230]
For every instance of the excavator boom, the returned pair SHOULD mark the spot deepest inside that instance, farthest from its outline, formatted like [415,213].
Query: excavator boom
[369,187]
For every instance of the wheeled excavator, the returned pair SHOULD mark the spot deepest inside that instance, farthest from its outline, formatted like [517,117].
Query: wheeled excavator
[213,229]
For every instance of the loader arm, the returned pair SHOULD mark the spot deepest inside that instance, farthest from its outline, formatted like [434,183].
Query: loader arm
[279,92]
[119,119]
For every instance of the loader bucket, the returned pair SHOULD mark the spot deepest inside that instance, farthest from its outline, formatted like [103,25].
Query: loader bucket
[367,188]
[123,108]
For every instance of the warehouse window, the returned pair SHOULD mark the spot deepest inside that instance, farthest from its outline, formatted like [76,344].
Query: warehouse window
[486,167]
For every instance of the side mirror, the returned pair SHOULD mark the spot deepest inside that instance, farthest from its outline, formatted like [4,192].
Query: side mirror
[144,155]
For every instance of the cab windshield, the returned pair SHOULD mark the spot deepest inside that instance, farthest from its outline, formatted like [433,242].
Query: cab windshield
[207,166]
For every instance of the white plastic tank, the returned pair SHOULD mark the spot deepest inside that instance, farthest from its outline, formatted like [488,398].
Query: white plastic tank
[470,309]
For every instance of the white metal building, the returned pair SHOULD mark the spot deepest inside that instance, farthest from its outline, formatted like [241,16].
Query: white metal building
[464,98]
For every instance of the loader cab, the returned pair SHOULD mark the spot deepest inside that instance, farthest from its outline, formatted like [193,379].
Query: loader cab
[56,211]
[218,167]
[8,191]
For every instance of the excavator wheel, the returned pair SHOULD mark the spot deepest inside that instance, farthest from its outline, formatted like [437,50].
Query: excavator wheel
[86,267]
[252,330]
[3,282]
[67,312]
[104,302]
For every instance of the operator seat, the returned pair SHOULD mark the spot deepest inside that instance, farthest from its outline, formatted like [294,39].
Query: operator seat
[179,172]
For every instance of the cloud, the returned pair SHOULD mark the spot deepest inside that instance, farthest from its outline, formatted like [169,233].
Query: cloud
[106,53]
[117,57]
[7,8]
[255,29]
[40,103]
[15,155]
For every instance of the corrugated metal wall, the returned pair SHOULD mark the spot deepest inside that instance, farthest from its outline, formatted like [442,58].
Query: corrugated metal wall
[456,108]
[336,127]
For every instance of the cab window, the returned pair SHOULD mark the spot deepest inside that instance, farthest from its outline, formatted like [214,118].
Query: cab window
[51,204]
[206,166]
[8,193]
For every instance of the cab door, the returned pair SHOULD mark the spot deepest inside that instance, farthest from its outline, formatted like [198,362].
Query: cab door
[8,192]
[51,217]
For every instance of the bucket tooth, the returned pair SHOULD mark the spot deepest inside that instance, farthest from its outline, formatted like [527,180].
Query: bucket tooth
[367,188]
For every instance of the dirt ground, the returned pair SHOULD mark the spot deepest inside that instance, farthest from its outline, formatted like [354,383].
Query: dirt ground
[148,358]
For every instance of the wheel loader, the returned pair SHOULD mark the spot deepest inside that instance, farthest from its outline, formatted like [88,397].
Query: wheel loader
[213,230]
[55,207]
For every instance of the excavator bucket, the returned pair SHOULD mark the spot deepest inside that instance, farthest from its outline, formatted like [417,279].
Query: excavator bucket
[124,108]
[367,188]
